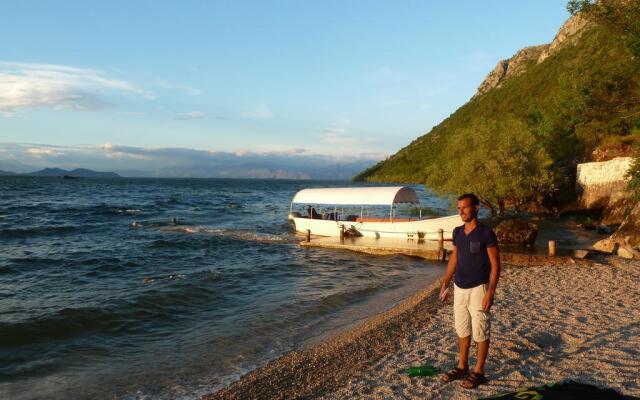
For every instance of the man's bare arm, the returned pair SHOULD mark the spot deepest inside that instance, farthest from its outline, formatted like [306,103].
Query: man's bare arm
[451,269]
[494,259]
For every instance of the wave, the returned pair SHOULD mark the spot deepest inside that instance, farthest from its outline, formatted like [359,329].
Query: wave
[123,318]
[311,310]
[100,209]
[6,270]
[336,301]
[152,279]
[175,244]
[237,234]
[36,230]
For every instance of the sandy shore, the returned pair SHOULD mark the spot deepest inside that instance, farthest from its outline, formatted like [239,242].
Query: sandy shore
[551,321]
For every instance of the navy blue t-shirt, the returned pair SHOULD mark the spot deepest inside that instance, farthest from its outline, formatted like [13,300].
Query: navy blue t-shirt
[473,267]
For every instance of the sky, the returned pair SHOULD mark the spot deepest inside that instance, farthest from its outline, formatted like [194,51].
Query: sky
[343,79]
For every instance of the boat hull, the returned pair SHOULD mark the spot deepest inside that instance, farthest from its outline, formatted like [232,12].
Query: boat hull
[387,229]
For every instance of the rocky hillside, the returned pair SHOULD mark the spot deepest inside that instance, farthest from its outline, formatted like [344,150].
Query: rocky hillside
[577,96]
[569,33]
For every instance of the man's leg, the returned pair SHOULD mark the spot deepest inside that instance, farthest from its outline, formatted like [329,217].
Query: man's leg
[462,322]
[483,350]
[480,325]
[464,343]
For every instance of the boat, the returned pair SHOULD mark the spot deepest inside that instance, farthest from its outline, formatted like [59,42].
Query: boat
[379,199]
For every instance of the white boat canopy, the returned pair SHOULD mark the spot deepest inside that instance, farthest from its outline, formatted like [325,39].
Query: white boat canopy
[379,195]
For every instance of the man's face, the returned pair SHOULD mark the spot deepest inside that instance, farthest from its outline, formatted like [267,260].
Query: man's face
[467,210]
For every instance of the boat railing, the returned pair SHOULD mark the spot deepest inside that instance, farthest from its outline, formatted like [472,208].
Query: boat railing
[330,216]
[387,219]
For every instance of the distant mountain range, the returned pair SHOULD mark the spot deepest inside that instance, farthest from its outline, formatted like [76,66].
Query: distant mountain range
[140,162]
[314,170]
[58,172]
[194,164]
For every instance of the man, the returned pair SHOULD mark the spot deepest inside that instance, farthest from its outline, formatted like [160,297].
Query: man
[475,268]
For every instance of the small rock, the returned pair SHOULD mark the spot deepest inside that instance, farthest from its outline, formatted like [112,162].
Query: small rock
[604,245]
[626,252]
[580,253]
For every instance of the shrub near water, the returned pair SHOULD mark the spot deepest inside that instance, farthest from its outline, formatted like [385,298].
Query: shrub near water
[501,159]
[634,177]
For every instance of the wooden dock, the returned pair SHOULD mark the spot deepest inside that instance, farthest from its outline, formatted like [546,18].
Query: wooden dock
[429,250]
[433,250]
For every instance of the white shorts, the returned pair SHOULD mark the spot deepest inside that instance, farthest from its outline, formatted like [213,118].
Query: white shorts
[468,314]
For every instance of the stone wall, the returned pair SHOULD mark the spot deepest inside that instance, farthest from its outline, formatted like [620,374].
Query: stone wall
[602,184]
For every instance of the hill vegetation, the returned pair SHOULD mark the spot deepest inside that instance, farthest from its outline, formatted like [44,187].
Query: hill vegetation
[517,143]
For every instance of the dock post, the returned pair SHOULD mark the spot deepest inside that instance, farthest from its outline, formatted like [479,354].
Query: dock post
[341,232]
[308,238]
[441,251]
[552,248]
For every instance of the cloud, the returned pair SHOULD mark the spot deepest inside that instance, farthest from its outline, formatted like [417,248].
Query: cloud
[42,151]
[340,139]
[112,151]
[262,111]
[340,134]
[191,115]
[293,163]
[280,152]
[335,130]
[31,85]
[297,151]
[190,90]
[133,113]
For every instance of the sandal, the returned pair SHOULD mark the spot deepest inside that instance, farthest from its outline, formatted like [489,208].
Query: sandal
[473,380]
[456,373]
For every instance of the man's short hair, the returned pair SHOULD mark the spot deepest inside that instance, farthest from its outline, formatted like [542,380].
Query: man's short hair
[474,199]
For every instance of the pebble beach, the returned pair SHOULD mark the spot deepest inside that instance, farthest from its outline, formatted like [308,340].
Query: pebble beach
[552,321]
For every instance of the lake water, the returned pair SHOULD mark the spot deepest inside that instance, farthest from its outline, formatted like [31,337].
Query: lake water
[102,296]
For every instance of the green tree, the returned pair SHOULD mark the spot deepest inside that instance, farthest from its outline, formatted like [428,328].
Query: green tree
[620,17]
[634,177]
[499,160]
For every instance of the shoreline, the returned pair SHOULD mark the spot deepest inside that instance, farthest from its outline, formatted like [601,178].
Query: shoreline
[369,360]
[322,367]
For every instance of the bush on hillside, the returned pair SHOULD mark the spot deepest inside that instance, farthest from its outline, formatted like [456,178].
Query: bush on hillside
[634,177]
[620,17]
[499,160]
